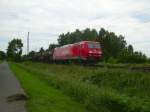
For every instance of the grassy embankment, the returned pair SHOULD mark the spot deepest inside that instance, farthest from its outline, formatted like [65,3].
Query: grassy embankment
[42,97]
[100,90]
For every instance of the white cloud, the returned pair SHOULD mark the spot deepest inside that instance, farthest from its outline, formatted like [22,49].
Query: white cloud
[47,19]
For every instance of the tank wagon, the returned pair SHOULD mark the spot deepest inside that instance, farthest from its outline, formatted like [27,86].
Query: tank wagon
[83,51]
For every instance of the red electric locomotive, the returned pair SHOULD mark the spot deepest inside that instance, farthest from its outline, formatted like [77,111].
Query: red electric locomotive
[84,50]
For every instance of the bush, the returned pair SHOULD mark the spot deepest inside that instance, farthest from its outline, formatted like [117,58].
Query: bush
[112,60]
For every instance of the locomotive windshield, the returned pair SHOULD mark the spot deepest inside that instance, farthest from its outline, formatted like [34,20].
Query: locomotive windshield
[93,45]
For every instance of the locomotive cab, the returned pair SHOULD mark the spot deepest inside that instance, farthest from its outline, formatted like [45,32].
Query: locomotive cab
[94,50]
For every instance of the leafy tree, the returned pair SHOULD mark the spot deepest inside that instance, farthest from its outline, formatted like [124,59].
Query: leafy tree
[63,39]
[112,44]
[139,57]
[41,51]
[130,49]
[52,47]
[2,55]
[89,34]
[77,36]
[31,54]
[148,60]
[14,50]
[129,56]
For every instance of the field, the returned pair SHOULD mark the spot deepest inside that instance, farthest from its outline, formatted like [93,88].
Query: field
[71,88]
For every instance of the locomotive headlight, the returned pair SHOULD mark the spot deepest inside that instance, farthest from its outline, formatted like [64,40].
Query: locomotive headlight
[90,52]
[99,52]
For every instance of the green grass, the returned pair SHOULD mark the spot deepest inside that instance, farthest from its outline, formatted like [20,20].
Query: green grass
[0,61]
[99,90]
[42,97]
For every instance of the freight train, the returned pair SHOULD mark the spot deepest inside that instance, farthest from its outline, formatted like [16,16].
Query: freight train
[84,51]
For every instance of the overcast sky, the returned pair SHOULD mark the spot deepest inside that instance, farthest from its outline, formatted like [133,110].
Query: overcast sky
[46,19]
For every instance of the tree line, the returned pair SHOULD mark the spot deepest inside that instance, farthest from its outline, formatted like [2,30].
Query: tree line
[115,48]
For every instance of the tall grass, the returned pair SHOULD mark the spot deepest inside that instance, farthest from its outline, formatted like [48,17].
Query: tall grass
[100,90]
[42,97]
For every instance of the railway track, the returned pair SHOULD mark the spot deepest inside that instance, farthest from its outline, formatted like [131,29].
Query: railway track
[144,69]
[129,67]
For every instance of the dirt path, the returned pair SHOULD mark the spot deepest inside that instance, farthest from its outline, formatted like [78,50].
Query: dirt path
[9,85]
